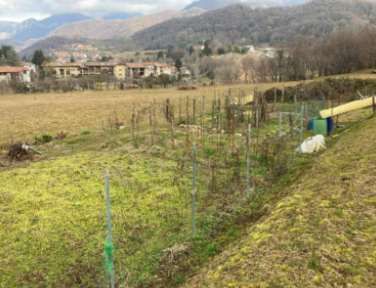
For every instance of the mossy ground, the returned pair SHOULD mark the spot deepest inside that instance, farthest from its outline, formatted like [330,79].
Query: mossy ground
[322,234]
[52,219]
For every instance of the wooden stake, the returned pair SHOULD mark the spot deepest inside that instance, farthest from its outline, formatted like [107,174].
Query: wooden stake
[194,189]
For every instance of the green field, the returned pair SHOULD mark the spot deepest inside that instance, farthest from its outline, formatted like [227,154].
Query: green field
[52,220]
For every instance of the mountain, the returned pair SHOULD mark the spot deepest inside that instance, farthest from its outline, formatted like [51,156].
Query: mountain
[49,45]
[217,4]
[6,29]
[211,4]
[121,16]
[33,29]
[108,29]
[240,24]
[111,35]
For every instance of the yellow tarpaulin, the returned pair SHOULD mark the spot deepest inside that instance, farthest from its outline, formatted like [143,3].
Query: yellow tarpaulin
[348,107]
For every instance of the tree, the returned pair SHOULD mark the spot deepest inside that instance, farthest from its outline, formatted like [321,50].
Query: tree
[249,68]
[164,80]
[72,60]
[236,49]
[221,51]
[191,50]
[207,51]
[178,64]
[38,58]
[207,66]
[227,69]
[105,58]
[160,55]
[175,53]
[8,56]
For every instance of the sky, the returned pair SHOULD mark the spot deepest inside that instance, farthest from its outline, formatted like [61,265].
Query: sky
[19,10]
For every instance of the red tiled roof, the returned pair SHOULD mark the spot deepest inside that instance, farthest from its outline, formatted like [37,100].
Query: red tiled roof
[11,69]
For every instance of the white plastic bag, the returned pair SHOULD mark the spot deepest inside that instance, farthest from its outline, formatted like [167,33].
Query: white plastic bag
[312,145]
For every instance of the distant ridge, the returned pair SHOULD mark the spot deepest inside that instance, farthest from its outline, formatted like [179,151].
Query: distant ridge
[121,16]
[243,25]
[108,29]
[32,29]
[217,4]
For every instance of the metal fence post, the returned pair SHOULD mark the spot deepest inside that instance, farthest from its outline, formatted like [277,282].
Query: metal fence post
[109,247]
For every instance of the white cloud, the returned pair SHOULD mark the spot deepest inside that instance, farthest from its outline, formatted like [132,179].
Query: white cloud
[18,10]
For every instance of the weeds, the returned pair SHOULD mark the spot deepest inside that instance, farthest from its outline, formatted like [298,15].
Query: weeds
[43,139]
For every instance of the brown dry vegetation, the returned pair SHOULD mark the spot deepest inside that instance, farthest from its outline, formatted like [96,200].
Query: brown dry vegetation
[24,116]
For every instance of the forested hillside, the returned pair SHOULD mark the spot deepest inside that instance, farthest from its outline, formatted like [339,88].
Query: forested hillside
[216,4]
[241,24]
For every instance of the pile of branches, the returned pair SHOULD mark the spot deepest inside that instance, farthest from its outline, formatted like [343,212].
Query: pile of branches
[20,152]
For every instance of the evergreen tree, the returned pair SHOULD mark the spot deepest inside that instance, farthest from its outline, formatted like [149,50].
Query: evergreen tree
[178,64]
[38,58]
[160,55]
[191,50]
[207,51]
[8,56]
[221,51]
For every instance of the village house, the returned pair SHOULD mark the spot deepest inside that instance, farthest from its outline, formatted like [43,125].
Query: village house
[118,70]
[62,71]
[139,70]
[10,73]
[146,69]
[105,68]
[98,68]
[162,68]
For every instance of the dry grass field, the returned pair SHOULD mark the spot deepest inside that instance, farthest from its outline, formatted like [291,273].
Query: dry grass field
[24,116]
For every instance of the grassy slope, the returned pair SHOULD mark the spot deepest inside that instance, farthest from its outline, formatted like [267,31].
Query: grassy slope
[52,218]
[321,235]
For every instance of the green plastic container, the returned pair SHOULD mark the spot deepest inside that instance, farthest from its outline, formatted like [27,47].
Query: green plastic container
[320,126]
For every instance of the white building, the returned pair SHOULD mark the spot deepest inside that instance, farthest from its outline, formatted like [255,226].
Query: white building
[9,73]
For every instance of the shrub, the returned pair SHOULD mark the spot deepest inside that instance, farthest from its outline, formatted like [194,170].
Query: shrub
[85,132]
[187,88]
[43,139]
[61,135]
